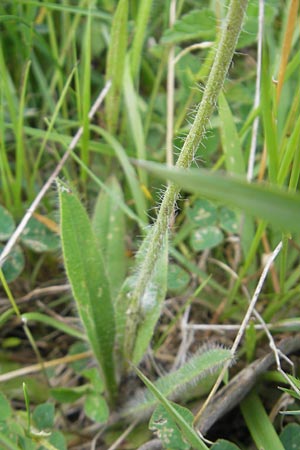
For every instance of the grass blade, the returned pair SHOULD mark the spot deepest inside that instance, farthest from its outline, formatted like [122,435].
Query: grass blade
[135,120]
[115,64]
[57,324]
[139,37]
[137,194]
[232,149]
[86,272]
[268,202]
[86,94]
[188,432]
[259,424]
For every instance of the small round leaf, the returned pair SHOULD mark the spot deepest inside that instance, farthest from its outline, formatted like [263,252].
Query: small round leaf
[14,264]
[39,238]
[203,238]
[202,213]
[95,407]
[228,220]
[7,224]
[178,279]
[43,416]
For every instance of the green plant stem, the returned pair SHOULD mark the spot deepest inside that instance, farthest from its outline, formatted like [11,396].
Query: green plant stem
[224,54]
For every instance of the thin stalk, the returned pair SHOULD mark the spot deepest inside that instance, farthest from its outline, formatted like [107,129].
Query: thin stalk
[139,38]
[170,92]
[224,54]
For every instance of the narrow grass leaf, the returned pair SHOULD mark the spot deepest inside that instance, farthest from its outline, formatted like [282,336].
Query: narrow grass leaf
[187,430]
[139,37]
[21,162]
[86,272]
[259,424]
[287,43]
[267,202]
[135,187]
[54,323]
[86,93]
[109,227]
[231,144]
[135,121]
[234,161]
[69,9]
[268,114]
[115,64]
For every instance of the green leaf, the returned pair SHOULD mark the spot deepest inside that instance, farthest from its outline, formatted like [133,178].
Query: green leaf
[55,323]
[57,439]
[93,376]
[228,220]
[95,407]
[109,227]
[202,213]
[43,416]
[137,193]
[164,426]
[39,238]
[178,279]
[204,238]
[259,424]
[8,442]
[231,145]
[266,201]
[186,429]
[135,331]
[134,119]
[222,444]
[14,264]
[290,436]
[208,361]
[90,286]
[151,303]
[5,408]
[7,224]
[250,28]
[195,25]
[69,395]
[115,63]
[81,364]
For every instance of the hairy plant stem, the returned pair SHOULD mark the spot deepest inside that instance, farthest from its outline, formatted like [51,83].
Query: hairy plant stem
[223,57]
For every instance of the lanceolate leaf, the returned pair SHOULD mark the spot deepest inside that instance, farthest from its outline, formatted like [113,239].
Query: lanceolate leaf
[86,273]
[109,228]
[265,201]
[207,362]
